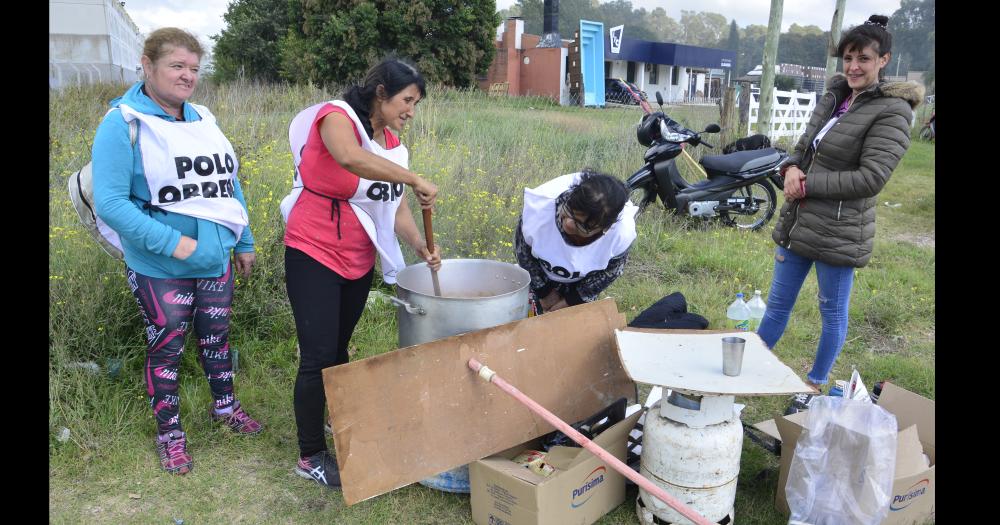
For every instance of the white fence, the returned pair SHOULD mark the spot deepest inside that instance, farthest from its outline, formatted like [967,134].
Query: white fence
[790,112]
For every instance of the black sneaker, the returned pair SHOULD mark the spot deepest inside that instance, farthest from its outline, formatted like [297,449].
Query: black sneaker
[321,467]
[799,403]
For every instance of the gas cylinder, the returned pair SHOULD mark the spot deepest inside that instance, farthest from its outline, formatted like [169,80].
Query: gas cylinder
[697,461]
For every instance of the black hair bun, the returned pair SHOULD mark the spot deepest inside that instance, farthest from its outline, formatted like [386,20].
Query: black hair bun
[879,20]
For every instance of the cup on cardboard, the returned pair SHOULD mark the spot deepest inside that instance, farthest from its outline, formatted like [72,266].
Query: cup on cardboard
[732,355]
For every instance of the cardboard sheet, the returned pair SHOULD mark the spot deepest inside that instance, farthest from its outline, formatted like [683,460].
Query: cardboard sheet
[691,362]
[409,414]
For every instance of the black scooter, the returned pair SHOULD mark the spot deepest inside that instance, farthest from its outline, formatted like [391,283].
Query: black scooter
[737,189]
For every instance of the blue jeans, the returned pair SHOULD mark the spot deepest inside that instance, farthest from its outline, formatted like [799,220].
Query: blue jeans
[835,283]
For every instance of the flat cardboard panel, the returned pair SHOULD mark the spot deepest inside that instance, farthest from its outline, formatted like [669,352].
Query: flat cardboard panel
[409,414]
[692,362]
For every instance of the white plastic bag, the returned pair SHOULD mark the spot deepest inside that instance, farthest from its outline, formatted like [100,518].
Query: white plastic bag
[843,465]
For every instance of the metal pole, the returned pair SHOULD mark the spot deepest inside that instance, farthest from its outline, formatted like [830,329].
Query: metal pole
[767,76]
[491,377]
[835,26]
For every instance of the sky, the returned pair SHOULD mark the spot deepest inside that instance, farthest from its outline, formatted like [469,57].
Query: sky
[204,17]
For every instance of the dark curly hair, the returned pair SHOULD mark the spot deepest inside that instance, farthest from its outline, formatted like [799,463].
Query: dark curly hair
[599,196]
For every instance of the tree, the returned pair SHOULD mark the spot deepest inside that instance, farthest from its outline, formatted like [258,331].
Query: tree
[249,45]
[663,27]
[807,48]
[796,29]
[335,41]
[702,29]
[504,14]
[638,22]
[929,76]
[733,44]
[910,26]
[620,12]
[784,82]
[751,47]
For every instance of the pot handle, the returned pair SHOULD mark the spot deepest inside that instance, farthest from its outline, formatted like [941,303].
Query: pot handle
[418,310]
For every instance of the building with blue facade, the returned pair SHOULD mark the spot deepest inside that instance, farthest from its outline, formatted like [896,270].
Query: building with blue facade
[681,73]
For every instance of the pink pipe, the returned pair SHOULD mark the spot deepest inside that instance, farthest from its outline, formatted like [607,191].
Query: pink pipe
[491,377]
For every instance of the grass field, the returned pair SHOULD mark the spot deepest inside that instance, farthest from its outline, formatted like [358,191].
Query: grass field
[481,152]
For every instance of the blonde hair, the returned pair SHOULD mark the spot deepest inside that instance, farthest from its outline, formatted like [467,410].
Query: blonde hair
[158,42]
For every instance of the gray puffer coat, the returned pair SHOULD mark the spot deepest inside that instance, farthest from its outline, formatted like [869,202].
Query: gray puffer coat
[835,223]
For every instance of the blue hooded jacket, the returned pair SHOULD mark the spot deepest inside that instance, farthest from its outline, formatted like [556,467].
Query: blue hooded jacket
[149,237]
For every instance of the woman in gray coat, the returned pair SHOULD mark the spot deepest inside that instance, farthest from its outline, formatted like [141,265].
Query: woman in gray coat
[856,136]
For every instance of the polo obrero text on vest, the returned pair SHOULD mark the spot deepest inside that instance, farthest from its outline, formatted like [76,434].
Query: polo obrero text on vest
[204,166]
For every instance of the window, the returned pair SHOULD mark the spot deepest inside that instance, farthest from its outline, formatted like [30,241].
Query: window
[607,69]
[654,74]
[630,74]
[675,79]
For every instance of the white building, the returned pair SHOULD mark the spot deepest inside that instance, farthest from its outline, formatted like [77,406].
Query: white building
[682,73]
[92,41]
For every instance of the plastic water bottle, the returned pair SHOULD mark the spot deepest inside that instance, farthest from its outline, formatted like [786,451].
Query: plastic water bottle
[738,314]
[757,307]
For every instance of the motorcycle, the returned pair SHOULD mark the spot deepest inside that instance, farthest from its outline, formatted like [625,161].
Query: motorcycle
[738,189]
[927,132]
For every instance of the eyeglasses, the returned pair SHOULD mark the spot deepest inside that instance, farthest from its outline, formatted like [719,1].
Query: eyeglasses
[580,228]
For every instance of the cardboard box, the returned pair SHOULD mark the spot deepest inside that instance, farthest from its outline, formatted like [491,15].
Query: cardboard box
[913,486]
[582,489]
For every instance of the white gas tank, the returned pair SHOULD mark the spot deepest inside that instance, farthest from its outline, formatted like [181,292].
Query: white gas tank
[698,466]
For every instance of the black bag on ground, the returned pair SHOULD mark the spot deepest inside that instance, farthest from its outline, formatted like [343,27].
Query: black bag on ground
[669,312]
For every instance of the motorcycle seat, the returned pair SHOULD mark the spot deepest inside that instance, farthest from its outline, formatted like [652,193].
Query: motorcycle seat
[741,161]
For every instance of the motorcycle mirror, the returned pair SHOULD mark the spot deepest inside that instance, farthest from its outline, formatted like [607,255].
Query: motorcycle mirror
[712,128]
[659,98]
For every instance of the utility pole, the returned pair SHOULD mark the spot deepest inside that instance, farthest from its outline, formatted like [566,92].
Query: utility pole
[767,75]
[838,22]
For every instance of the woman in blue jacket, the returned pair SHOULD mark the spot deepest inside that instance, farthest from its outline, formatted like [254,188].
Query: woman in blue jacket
[175,202]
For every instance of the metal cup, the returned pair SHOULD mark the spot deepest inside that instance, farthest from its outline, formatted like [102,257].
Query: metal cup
[732,355]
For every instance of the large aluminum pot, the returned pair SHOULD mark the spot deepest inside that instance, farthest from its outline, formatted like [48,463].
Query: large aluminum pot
[475,294]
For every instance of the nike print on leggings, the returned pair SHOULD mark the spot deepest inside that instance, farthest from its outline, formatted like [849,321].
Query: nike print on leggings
[168,307]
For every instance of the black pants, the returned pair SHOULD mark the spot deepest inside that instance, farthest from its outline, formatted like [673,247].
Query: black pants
[326,307]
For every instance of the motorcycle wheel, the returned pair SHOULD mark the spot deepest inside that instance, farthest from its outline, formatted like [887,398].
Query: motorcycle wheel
[764,196]
[642,197]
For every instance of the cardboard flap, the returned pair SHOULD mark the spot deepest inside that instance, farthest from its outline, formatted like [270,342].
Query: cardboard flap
[514,470]
[769,428]
[790,427]
[409,414]
[565,458]
[909,453]
[909,409]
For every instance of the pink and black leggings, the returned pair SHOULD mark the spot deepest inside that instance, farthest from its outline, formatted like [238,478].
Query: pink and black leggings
[168,307]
